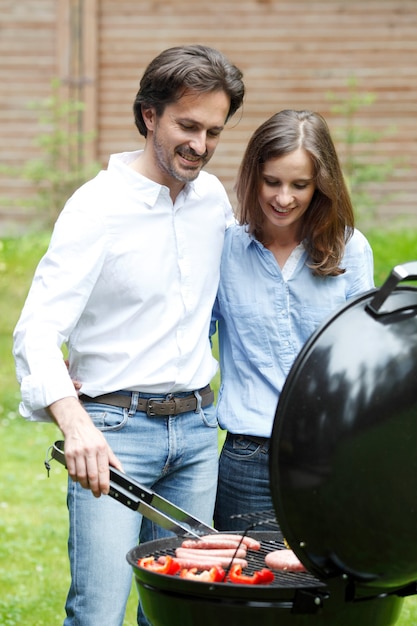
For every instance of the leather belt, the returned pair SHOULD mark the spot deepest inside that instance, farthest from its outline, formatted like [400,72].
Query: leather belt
[156,406]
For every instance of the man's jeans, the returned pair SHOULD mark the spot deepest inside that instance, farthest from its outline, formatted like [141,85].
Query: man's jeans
[176,457]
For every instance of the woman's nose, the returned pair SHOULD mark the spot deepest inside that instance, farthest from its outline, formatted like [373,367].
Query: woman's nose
[284,197]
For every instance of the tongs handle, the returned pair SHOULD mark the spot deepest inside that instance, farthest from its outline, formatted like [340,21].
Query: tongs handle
[132,494]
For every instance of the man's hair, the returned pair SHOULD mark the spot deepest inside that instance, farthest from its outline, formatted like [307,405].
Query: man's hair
[197,68]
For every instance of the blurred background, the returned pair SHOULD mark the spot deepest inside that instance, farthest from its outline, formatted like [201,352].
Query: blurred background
[70,70]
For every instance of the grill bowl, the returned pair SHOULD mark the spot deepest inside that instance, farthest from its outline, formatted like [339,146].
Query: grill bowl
[294,599]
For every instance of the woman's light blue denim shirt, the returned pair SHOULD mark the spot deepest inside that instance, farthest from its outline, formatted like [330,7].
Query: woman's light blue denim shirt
[265,315]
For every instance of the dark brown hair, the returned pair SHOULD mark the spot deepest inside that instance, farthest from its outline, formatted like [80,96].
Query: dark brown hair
[197,68]
[329,220]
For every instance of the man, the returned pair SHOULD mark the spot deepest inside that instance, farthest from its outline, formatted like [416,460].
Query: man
[128,283]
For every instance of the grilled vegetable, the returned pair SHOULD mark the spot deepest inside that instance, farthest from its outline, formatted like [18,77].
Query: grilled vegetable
[261,577]
[213,575]
[169,566]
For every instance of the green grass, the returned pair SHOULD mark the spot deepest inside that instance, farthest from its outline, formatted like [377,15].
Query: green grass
[34,573]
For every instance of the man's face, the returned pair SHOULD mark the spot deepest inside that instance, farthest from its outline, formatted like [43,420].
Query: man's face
[185,137]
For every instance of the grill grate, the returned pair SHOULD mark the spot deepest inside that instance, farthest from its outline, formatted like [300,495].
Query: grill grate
[270,541]
[259,520]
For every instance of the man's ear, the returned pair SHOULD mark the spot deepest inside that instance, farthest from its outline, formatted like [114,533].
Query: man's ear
[149,117]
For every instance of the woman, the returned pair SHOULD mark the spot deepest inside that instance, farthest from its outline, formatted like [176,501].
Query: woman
[291,261]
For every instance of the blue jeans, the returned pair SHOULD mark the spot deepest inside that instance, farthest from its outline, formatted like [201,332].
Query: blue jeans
[243,485]
[175,456]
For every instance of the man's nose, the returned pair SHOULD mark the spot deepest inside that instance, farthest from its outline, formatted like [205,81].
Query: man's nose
[199,143]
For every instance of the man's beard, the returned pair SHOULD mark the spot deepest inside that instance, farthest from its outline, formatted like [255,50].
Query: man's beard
[167,164]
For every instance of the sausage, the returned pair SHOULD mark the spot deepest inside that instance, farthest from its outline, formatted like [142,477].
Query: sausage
[220,544]
[227,553]
[249,542]
[205,563]
[188,561]
[284,560]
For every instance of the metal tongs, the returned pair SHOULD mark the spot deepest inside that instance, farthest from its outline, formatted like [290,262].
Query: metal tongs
[132,494]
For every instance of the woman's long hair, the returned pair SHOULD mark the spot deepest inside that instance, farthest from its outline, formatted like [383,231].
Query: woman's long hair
[329,221]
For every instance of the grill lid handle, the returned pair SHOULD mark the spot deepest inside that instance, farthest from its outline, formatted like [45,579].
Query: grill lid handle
[406,271]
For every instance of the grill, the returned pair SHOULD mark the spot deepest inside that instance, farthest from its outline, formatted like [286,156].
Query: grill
[293,599]
[256,559]
[343,472]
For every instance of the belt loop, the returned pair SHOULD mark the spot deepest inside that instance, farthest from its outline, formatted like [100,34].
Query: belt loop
[198,398]
[133,403]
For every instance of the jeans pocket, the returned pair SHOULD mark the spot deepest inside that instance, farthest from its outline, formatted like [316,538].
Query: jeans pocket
[241,448]
[208,416]
[107,418]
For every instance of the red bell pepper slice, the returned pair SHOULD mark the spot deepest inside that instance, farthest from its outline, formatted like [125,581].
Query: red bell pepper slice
[214,575]
[264,576]
[261,577]
[170,566]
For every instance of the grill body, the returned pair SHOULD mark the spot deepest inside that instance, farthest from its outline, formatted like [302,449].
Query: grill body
[343,475]
[295,599]
[174,608]
[343,461]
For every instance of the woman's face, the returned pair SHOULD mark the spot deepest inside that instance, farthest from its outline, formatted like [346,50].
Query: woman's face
[286,188]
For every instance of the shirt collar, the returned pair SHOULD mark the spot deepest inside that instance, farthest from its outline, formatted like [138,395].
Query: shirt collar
[249,240]
[292,261]
[247,237]
[149,189]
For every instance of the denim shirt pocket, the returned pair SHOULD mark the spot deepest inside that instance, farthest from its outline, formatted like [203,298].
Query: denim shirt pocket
[311,318]
[249,336]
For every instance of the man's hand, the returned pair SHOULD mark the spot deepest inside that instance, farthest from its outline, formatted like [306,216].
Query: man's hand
[87,453]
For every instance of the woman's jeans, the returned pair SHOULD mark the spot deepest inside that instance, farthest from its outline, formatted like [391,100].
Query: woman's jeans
[174,456]
[243,482]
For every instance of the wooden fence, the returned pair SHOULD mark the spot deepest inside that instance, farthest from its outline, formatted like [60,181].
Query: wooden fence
[293,54]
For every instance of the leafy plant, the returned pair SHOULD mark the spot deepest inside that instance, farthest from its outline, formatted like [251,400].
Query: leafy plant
[357,145]
[61,168]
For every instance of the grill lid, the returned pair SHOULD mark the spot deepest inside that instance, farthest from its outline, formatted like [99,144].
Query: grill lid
[343,457]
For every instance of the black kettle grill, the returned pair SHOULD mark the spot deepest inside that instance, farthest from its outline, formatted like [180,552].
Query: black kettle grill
[343,467]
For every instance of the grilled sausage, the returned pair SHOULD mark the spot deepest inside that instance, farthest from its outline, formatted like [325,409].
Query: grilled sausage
[227,553]
[219,544]
[284,560]
[249,542]
[206,563]
[188,561]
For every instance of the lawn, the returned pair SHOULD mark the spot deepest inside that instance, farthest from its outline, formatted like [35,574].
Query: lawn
[33,520]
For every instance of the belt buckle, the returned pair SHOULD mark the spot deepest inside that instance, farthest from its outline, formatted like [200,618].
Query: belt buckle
[150,411]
